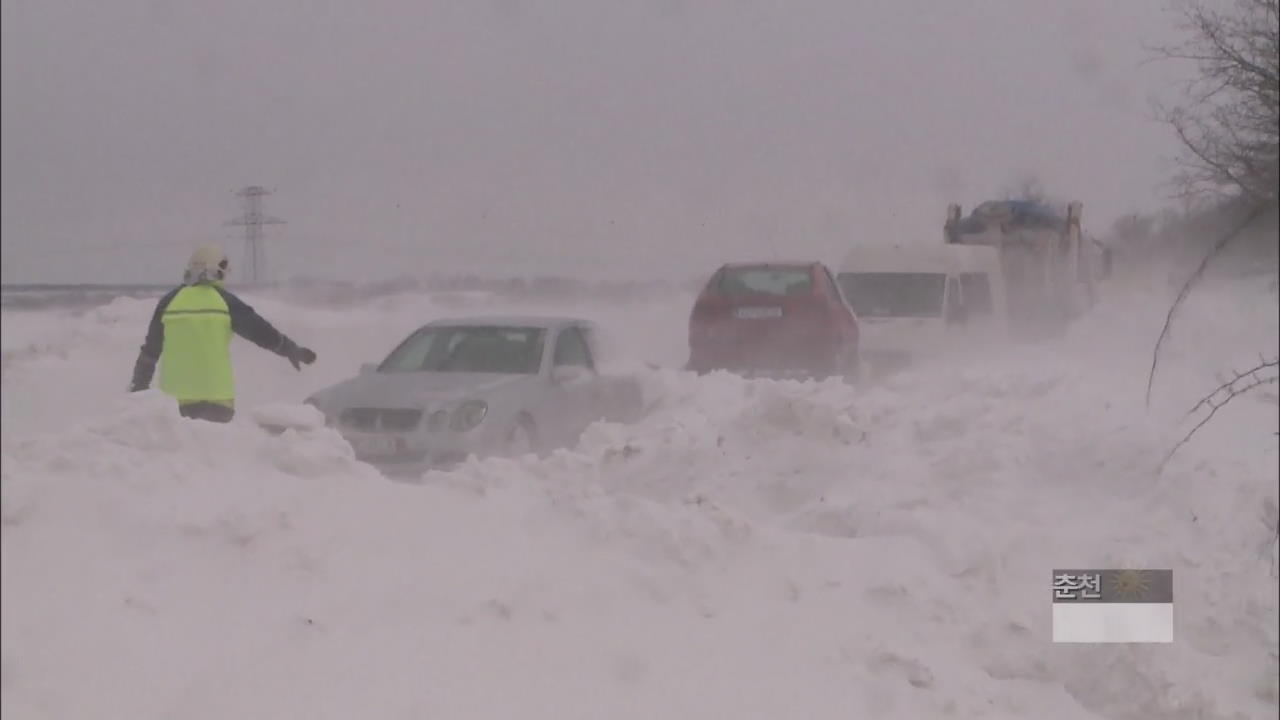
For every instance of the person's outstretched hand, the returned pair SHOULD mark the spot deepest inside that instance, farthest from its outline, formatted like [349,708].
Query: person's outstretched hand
[301,356]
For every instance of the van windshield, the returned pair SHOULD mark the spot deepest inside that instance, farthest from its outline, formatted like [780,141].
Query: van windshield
[892,294]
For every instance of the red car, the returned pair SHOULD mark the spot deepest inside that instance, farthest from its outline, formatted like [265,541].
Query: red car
[773,319]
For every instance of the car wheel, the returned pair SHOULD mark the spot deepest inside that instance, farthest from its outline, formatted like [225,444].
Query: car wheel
[634,404]
[850,367]
[859,372]
[831,364]
[522,438]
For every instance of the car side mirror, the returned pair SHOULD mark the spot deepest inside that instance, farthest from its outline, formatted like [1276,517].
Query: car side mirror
[368,368]
[566,374]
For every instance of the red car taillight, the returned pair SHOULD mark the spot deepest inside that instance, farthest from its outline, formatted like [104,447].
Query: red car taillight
[813,313]
[707,314]
[706,310]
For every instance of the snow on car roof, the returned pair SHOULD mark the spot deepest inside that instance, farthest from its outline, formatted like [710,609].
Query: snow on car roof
[537,321]
[772,263]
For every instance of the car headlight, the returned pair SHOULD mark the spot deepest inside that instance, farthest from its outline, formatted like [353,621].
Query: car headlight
[314,401]
[468,415]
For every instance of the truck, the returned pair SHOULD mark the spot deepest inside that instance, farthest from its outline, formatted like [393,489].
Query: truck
[1051,267]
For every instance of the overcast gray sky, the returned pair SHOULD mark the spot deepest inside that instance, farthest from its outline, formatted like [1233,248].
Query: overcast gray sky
[614,139]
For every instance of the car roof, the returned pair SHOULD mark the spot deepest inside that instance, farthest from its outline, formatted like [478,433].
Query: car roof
[546,322]
[772,264]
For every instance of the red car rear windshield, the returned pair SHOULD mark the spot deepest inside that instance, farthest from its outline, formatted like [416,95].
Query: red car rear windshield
[765,281]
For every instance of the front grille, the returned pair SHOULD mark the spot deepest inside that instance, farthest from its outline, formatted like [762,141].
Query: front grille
[382,419]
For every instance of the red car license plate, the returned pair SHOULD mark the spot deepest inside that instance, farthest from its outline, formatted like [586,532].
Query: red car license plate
[757,313]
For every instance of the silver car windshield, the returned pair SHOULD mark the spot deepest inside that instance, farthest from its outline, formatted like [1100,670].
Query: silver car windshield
[485,349]
[894,294]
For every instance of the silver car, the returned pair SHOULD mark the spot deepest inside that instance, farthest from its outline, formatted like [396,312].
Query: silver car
[478,386]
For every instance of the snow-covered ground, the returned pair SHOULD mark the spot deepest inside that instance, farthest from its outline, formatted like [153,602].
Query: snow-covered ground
[751,549]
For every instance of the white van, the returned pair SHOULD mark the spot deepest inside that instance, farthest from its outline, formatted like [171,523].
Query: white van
[924,300]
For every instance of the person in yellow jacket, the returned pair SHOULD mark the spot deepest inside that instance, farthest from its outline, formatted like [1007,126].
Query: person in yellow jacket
[190,337]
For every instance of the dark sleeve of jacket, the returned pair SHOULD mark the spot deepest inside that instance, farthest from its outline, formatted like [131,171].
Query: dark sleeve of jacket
[248,324]
[145,366]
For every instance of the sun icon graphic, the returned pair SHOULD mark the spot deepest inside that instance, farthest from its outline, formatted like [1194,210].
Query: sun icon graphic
[1130,584]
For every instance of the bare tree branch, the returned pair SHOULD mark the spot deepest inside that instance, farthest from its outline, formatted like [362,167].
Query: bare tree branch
[1210,158]
[1240,384]
[1229,120]
[1207,400]
[1222,242]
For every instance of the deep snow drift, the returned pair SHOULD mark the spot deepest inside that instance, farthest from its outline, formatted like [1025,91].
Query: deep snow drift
[750,549]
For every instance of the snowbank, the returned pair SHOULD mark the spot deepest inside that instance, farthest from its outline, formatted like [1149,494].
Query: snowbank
[749,549]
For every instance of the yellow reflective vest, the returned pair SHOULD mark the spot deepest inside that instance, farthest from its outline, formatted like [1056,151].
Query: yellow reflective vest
[195,364]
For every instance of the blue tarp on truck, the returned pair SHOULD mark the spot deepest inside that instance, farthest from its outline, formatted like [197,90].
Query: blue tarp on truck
[1012,215]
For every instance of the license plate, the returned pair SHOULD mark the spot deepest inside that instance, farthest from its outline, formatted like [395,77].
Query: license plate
[757,313]
[374,444]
